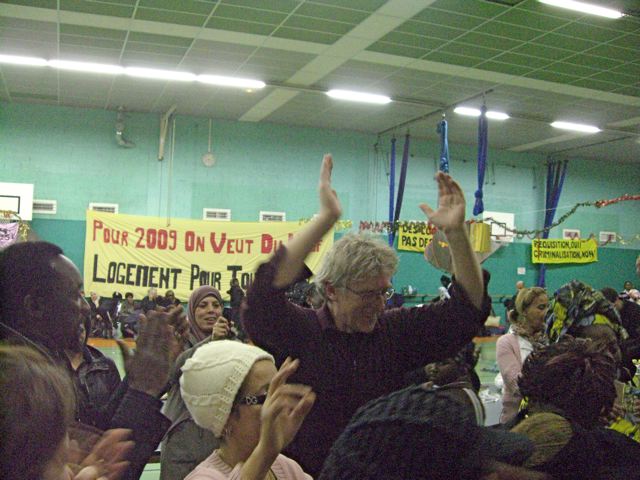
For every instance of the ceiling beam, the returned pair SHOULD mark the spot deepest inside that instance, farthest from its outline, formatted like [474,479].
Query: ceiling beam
[384,20]
[497,78]
[547,141]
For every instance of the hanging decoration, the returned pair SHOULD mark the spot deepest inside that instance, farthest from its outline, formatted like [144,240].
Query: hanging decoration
[339,226]
[387,227]
[438,253]
[403,180]
[12,227]
[442,130]
[392,183]
[483,140]
[556,173]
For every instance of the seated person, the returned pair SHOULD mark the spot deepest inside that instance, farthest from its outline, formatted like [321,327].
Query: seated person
[129,305]
[235,391]
[169,300]
[99,320]
[36,406]
[150,302]
[426,433]
[572,383]
[108,310]
[129,316]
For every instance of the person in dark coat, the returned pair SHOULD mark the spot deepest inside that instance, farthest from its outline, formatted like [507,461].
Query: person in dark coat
[42,306]
[352,349]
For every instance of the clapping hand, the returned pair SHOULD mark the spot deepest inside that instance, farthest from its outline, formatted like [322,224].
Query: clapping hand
[329,203]
[158,344]
[107,459]
[285,409]
[451,204]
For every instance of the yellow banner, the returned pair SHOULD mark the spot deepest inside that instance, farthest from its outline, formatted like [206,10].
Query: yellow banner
[414,236]
[564,251]
[129,253]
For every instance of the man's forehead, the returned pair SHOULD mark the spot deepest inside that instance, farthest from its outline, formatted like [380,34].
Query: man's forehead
[66,269]
[375,281]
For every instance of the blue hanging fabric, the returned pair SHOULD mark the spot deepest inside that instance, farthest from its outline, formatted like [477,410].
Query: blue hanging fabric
[392,184]
[556,174]
[444,145]
[403,177]
[483,140]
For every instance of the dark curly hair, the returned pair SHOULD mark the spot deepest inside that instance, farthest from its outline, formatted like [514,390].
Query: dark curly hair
[573,377]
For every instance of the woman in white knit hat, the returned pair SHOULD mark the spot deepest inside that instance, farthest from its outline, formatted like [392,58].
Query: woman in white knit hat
[234,390]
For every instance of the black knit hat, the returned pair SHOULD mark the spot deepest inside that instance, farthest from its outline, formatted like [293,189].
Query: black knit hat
[419,433]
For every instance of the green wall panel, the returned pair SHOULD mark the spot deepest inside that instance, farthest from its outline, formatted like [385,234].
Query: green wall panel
[70,155]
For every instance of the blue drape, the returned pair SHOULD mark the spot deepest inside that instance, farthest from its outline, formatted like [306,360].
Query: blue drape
[444,146]
[556,172]
[483,140]
[392,184]
[403,179]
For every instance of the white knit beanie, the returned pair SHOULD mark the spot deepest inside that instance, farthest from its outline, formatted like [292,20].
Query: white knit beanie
[212,378]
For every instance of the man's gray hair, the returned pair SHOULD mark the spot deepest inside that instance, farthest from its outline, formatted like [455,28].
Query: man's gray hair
[356,256]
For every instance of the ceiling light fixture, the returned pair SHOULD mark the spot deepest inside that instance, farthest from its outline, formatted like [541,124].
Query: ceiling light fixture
[151,73]
[87,67]
[230,81]
[352,96]
[18,60]
[576,127]
[156,74]
[474,112]
[584,8]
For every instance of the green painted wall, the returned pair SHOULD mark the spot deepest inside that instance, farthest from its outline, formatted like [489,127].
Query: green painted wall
[70,155]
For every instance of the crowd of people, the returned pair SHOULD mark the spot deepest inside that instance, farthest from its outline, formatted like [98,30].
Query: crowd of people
[319,380]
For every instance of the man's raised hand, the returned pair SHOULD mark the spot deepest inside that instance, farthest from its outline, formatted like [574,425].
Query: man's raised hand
[329,203]
[451,204]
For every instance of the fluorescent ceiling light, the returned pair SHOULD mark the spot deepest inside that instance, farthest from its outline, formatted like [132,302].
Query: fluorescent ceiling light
[230,81]
[160,74]
[576,127]
[584,8]
[358,96]
[87,67]
[17,60]
[497,115]
[474,112]
[471,112]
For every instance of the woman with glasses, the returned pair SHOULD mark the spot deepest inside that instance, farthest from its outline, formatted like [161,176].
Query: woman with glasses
[234,390]
[352,349]
[527,330]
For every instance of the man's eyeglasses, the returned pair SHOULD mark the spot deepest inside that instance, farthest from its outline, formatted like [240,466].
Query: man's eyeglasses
[387,293]
[253,399]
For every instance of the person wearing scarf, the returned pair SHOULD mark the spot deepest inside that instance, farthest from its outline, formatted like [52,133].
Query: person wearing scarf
[204,313]
[526,332]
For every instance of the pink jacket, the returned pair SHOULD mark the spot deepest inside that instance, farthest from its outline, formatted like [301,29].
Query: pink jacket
[213,468]
[510,365]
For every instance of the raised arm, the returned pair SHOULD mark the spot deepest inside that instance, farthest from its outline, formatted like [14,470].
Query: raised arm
[282,415]
[449,217]
[303,242]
